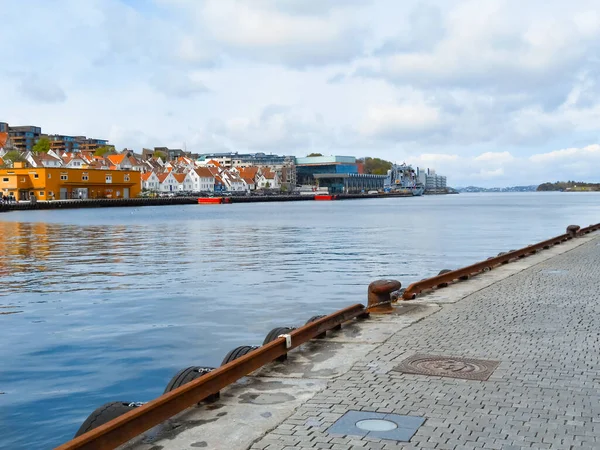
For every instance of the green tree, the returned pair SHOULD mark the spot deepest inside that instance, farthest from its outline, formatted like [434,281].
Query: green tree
[159,154]
[42,145]
[314,154]
[376,166]
[101,151]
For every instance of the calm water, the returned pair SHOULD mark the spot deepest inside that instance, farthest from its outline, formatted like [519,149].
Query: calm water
[109,304]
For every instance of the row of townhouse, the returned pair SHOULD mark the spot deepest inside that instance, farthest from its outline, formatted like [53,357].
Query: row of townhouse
[126,160]
[184,175]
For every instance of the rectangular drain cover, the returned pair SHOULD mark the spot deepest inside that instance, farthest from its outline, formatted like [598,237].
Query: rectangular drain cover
[448,366]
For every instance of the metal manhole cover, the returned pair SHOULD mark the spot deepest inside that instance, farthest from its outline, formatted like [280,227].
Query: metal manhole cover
[448,366]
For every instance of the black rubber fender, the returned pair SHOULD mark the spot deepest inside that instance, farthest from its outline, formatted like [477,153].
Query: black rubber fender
[104,414]
[273,334]
[237,352]
[188,374]
[313,319]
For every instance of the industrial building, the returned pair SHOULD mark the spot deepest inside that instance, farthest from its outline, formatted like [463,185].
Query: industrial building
[339,174]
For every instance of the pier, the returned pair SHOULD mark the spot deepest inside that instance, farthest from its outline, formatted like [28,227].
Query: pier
[503,359]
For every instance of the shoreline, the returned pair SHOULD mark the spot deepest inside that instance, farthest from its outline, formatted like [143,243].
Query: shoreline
[166,201]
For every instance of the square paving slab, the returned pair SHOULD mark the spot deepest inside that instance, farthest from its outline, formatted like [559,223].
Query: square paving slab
[377,425]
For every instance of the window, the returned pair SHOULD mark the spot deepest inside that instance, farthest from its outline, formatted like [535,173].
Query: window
[84,177]
[41,193]
[49,175]
[5,180]
[22,179]
[64,176]
[35,175]
[109,178]
[126,177]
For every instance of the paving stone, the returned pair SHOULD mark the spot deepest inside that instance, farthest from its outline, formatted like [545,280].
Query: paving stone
[542,324]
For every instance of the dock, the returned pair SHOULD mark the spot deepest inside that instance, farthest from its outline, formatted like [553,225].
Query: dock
[507,359]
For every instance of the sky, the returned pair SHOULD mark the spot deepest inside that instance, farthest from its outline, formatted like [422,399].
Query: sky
[488,93]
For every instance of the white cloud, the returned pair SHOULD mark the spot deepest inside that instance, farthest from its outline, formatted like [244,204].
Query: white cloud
[484,92]
[400,121]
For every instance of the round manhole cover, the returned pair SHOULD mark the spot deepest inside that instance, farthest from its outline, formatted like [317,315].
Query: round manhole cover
[447,366]
[376,425]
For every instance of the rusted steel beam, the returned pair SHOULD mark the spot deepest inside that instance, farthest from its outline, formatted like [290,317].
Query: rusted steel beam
[416,288]
[124,428]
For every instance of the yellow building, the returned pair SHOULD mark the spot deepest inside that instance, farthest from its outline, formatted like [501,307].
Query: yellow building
[54,183]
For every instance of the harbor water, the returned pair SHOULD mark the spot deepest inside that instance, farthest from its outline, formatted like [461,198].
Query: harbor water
[107,304]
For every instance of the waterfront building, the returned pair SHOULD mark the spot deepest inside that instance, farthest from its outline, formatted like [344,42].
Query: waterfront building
[308,167]
[229,160]
[200,179]
[150,181]
[62,143]
[248,174]
[168,182]
[91,144]
[434,182]
[24,137]
[43,160]
[49,183]
[232,180]
[74,161]
[119,162]
[350,183]
[267,179]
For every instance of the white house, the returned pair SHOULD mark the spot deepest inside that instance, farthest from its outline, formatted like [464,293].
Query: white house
[233,181]
[168,183]
[43,160]
[150,181]
[119,162]
[267,179]
[180,177]
[74,161]
[200,180]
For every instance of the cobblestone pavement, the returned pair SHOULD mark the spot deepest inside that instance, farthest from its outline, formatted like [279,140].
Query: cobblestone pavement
[542,324]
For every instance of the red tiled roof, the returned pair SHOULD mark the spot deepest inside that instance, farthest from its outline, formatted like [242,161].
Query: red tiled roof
[267,173]
[162,176]
[3,139]
[204,172]
[146,175]
[116,159]
[214,163]
[248,172]
[179,177]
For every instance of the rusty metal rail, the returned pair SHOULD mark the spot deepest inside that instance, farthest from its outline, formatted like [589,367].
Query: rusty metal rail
[442,280]
[133,423]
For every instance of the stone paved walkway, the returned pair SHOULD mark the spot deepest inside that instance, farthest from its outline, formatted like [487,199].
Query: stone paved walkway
[542,324]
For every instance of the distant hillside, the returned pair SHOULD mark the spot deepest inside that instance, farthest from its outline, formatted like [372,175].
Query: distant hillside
[569,186]
[531,188]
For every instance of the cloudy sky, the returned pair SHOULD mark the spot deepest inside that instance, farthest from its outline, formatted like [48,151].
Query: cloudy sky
[491,93]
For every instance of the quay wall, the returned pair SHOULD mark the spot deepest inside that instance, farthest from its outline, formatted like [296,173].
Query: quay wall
[162,201]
